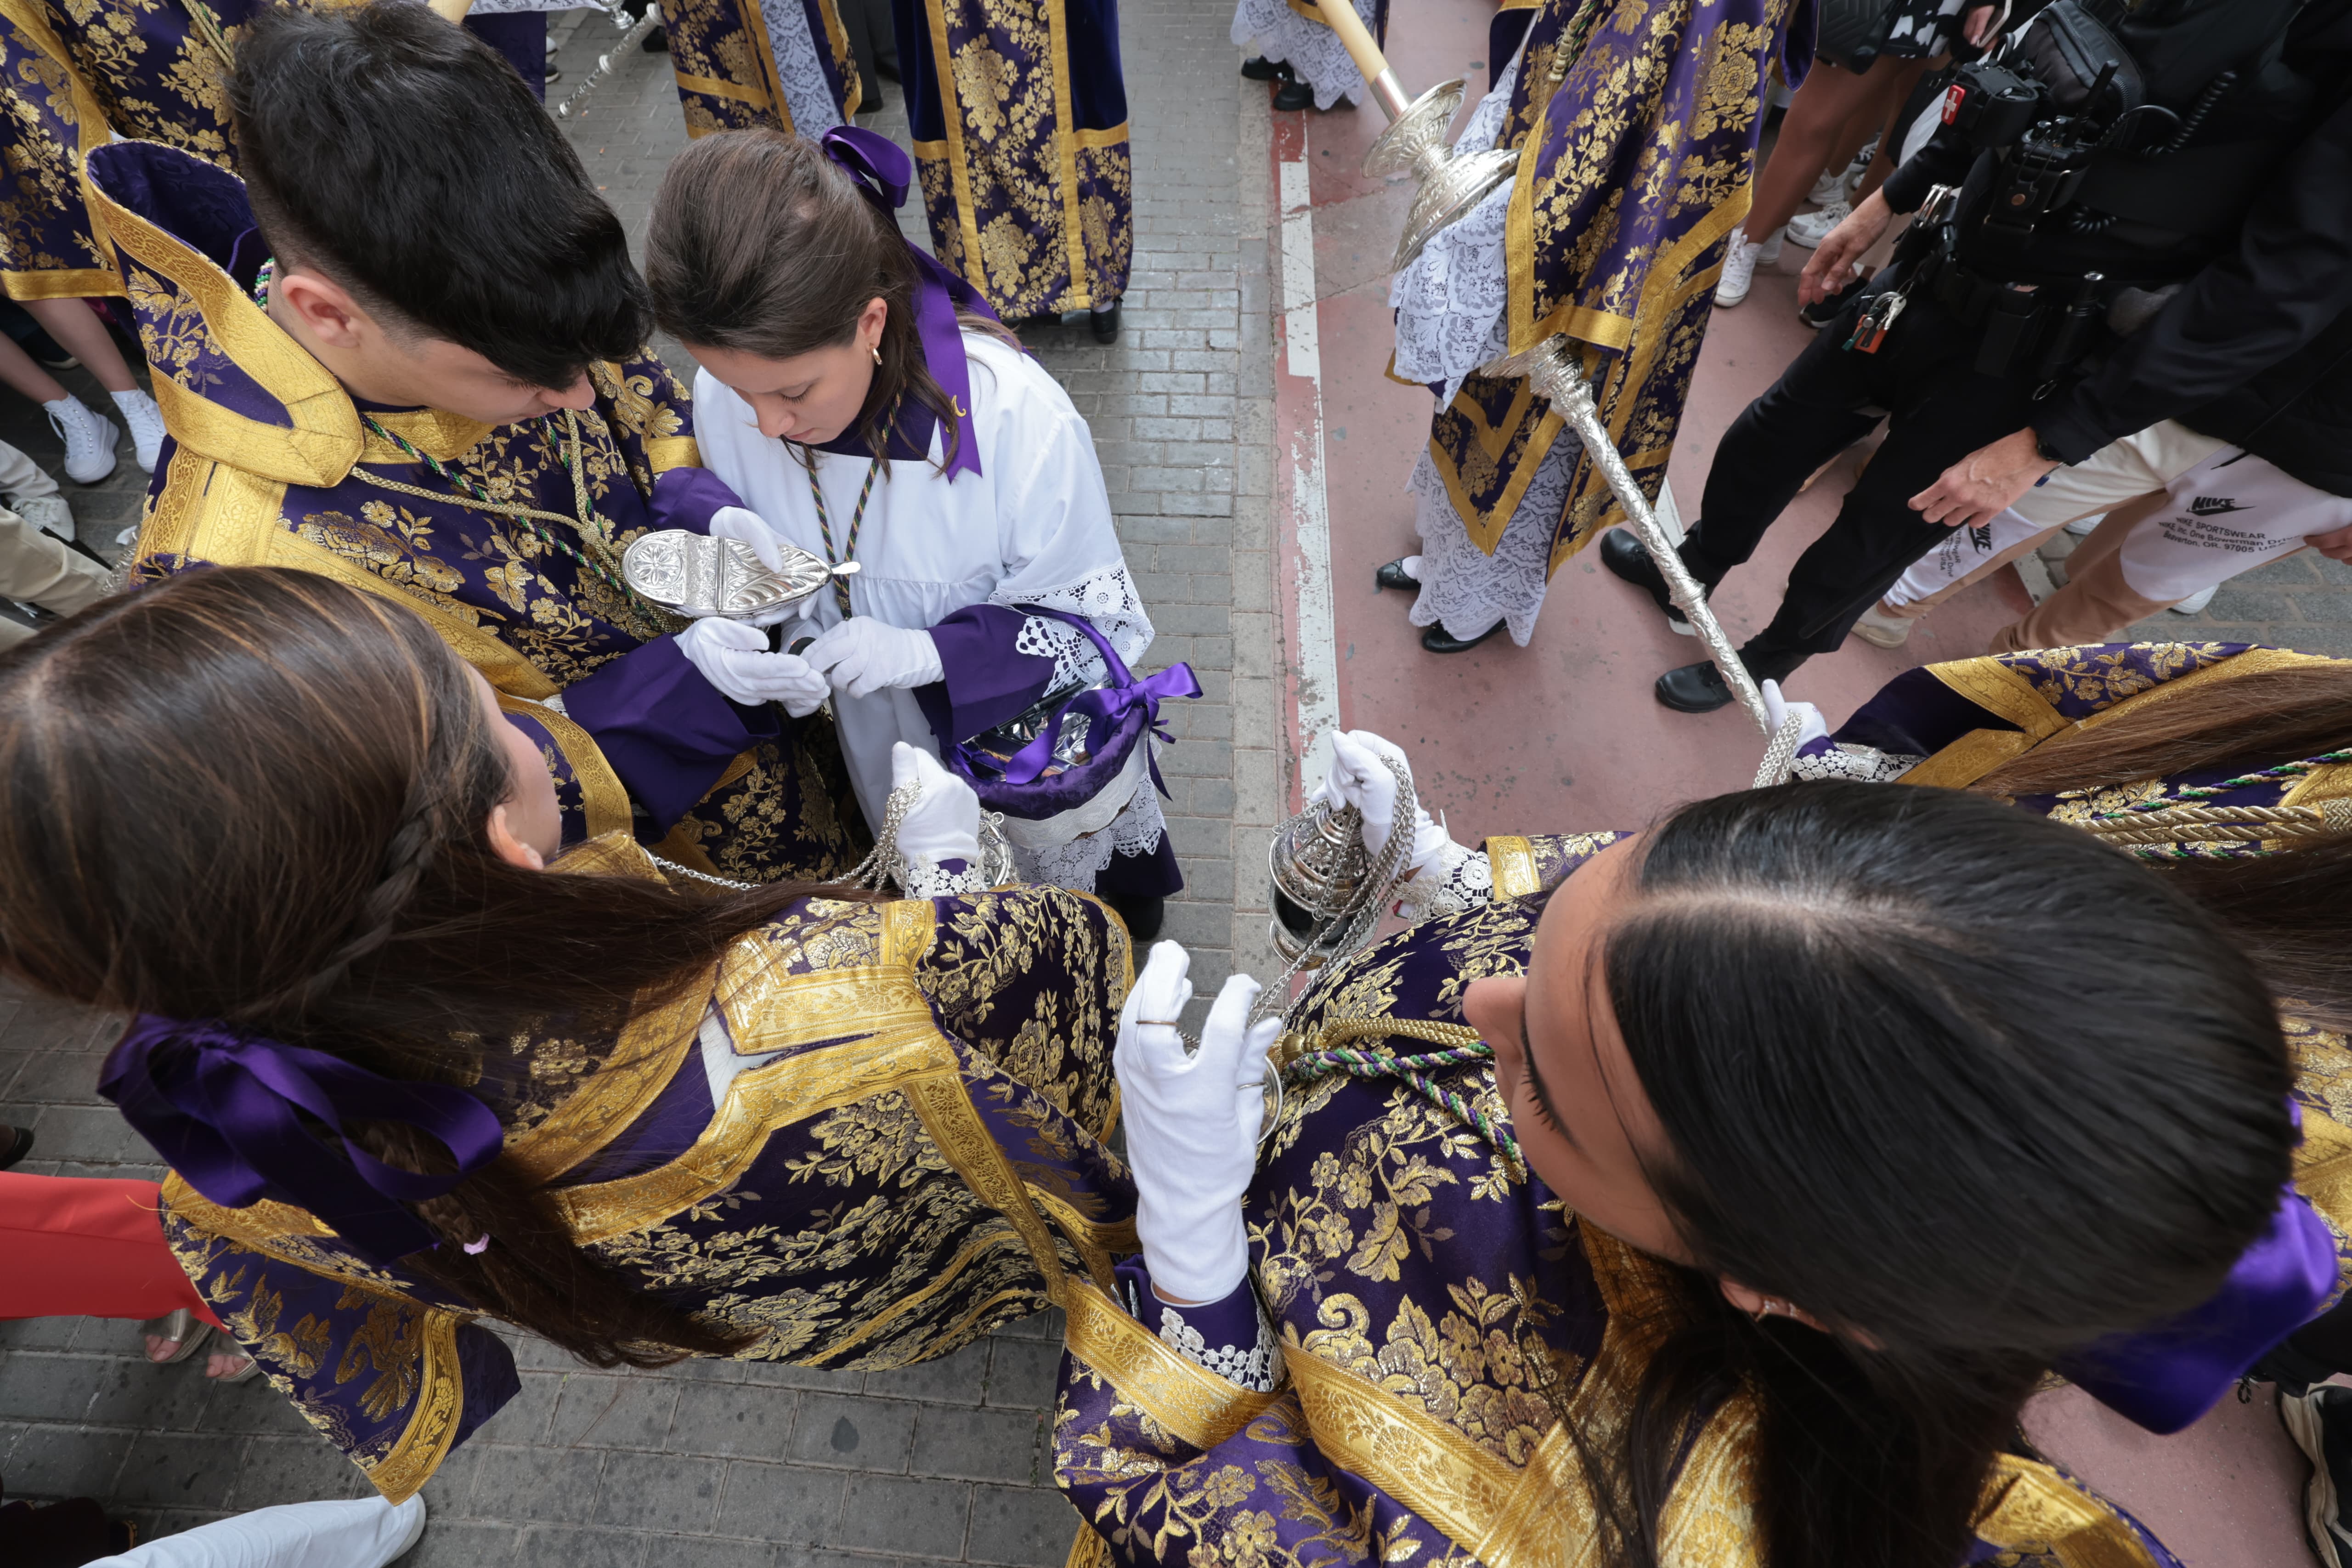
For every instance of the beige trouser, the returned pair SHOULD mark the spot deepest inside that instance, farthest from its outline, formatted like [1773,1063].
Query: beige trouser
[37,569]
[2095,600]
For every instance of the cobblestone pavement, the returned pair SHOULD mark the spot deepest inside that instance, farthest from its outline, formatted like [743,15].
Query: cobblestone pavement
[717,1465]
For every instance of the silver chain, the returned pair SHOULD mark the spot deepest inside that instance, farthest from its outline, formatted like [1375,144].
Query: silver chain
[1353,923]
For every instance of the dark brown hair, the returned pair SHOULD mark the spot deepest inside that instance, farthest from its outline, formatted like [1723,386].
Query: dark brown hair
[761,244]
[2289,912]
[255,795]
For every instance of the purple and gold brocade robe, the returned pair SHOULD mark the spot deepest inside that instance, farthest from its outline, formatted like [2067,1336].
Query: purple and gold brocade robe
[1636,125]
[908,1153]
[1018,110]
[786,64]
[269,463]
[78,73]
[1415,1283]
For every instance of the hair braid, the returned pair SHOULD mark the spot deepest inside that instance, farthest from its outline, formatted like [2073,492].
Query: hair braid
[407,855]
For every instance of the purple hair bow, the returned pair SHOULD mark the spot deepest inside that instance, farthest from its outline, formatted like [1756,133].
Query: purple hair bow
[221,1106]
[884,173]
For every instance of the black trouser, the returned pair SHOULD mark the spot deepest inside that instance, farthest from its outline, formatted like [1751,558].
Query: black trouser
[1938,409]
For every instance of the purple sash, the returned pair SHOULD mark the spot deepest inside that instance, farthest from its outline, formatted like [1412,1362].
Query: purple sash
[884,173]
[221,1106]
[1117,716]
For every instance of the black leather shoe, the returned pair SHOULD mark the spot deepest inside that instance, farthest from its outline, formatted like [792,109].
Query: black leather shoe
[1623,555]
[1394,575]
[1694,689]
[1257,67]
[1437,640]
[1105,322]
[1293,95]
[14,1145]
[1143,916]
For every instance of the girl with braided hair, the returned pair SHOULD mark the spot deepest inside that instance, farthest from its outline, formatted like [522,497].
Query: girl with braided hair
[414,1068]
[1713,1195]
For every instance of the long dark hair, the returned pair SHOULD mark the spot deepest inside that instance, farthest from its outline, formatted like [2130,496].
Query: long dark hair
[761,244]
[2288,911]
[255,795]
[1961,1082]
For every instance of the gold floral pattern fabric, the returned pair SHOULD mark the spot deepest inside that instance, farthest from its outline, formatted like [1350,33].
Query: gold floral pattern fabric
[1441,1315]
[725,62]
[1019,117]
[910,1156]
[1636,122]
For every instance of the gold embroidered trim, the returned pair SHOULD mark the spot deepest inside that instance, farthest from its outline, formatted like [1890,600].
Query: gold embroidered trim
[324,440]
[944,1106]
[604,802]
[2031,1510]
[1423,1462]
[1096,1243]
[975,266]
[755,26]
[664,453]
[441,435]
[80,283]
[432,1428]
[837,38]
[1513,859]
[711,87]
[1195,1405]
[1080,295]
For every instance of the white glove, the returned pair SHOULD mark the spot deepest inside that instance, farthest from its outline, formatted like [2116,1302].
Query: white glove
[744,524]
[1358,777]
[734,657]
[1192,1125]
[944,825]
[861,655]
[1811,725]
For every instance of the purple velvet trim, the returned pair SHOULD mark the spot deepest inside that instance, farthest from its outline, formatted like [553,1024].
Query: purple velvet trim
[2165,1377]
[883,172]
[686,498]
[988,679]
[1231,1319]
[667,732]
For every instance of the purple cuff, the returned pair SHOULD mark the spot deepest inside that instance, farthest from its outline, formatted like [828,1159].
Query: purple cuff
[989,679]
[667,732]
[1230,1321]
[686,498]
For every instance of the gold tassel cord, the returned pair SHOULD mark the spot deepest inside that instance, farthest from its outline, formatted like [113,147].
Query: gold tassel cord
[2225,824]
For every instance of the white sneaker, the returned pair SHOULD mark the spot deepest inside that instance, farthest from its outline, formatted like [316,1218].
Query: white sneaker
[2195,604]
[1880,629]
[146,422]
[89,439]
[1739,264]
[51,514]
[1828,188]
[1809,229]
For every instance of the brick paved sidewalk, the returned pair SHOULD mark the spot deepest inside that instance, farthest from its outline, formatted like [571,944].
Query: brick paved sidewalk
[717,1465]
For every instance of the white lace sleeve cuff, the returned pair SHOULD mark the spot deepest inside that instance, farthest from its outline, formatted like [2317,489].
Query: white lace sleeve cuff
[1456,879]
[1826,759]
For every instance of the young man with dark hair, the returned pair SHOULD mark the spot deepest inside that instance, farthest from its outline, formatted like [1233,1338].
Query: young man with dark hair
[408,353]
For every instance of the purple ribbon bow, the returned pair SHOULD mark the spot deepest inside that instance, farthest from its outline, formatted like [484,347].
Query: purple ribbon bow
[884,173]
[1105,706]
[220,1107]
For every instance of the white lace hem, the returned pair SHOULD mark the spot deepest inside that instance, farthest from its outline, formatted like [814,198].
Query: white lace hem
[1463,586]
[1136,830]
[1864,764]
[800,68]
[1457,880]
[1450,303]
[1107,600]
[1252,1368]
[1310,49]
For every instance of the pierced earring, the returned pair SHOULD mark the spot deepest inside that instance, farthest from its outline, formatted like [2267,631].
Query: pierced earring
[877,353]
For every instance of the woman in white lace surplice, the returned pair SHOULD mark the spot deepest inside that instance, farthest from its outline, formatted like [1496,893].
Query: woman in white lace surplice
[1451,307]
[1033,527]
[1311,49]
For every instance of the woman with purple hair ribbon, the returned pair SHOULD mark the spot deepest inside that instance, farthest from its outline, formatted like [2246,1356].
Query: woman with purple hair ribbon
[415,1065]
[870,408]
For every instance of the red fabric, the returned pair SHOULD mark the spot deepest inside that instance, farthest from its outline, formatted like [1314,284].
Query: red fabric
[87,1246]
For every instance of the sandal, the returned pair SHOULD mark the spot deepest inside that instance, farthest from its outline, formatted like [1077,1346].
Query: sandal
[178,1328]
[251,1366]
